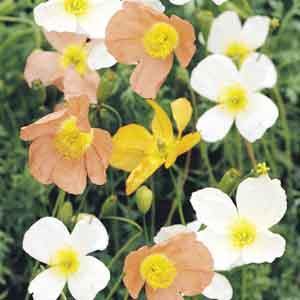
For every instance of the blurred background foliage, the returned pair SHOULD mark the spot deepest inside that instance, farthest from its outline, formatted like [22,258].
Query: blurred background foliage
[23,200]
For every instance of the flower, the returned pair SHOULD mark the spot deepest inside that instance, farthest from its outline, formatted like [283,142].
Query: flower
[228,37]
[88,17]
[137,151]
[220,287]
[179,266]
[182,2]
[49,242]
[72,67]
[241,235]
[237,95]
[155,4]
[65,149]
[150,39]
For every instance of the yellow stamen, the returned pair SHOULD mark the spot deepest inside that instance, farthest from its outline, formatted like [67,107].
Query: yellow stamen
[76,7]
[238,51]
[161,40]
[242,233]
[262,169]
[70,141]
[76,56]
[158,271]
[65,261]
[234,98]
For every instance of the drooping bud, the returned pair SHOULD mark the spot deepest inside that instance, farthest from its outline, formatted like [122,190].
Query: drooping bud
[144,198]
[229,181]
[109,206]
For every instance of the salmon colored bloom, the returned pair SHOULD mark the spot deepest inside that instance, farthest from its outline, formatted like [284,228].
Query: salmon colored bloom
[72,67]
[179,266]
[65,149]
[138,151]
[139,34]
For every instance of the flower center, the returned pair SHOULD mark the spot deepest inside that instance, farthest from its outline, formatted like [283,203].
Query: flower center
[76,7]
[238,51]
[65,261]
[158,271]
[76,56]
[242,233]
[234,98]
[161,40]
[70,141]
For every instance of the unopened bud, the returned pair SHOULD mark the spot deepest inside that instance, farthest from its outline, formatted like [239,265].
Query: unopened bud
[66,212]
[144,198]
[106,88]
[109,206]
[182,75]
[229,181]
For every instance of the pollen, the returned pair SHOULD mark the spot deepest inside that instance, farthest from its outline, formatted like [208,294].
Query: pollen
[70,141]
[238,51]
[234,98]
[158,271]
[161,40]
[65,261]
[76,56]
[76,7]
[242,233]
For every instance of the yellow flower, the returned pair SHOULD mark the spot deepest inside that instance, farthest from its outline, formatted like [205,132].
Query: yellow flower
[138,151]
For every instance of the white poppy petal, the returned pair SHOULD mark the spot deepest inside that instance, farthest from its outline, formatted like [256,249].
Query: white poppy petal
[89,235]
[179,2]
[214,124]
[219,2]
[212,74]
[255,31]
[52,16]
[223,254]
[225,29]
[99,57]
[44,238]
[219,288]
[260,115]
[194,226]
[267,247]
[214,208]
[258,72]
[165,233]
[261,200]
[91,278]
[47,285]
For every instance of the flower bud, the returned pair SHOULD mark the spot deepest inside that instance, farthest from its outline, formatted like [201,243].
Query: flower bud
[106,88]
[109,206]
[229,181]
[144,198]
[66,212]
[275,23]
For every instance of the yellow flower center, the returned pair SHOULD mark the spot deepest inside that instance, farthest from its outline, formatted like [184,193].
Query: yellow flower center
[238,51]
[65,261]
[242,233]
[234,98]
[76,7]
[76,56]
[70,141]
[262,169]
[158,271]
[161,40]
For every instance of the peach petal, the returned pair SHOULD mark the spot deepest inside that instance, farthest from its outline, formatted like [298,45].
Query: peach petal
[149,75]
[94,166]
[76,85]
[43,66]
[170,293]
[70,175]
[42,159]
[132,279]
[186,48]
[60,40]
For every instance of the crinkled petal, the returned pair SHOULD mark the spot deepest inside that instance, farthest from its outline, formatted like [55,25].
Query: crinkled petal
[155,4]
[165,233]
[44,238]
[179,2]
[170,293]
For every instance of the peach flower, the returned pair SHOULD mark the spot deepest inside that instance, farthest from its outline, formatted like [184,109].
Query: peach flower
[180,266]
[65,149]
[72,67]
[138,34]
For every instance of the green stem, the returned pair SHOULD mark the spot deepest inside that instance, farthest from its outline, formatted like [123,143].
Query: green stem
[204,154]
[125,220]
[145,230]
[59,201]
[114,288]
[251,154]
[126,295]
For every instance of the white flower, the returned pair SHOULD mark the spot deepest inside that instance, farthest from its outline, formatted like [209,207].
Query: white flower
[220,287]
[182,2]
[240,235]
[237,95]
[49,242]
[227,35]
[88,17]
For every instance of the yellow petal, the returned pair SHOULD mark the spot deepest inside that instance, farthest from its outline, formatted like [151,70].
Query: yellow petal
[161,124]
[182,113]
[131,144]
[142,172]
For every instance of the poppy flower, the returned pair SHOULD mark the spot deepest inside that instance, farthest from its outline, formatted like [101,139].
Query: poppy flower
[72,67]
[179,266]
[138,34]
[65,149]
[138,151]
